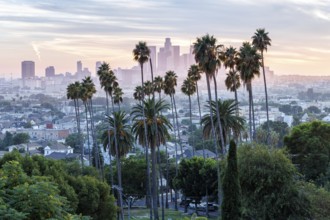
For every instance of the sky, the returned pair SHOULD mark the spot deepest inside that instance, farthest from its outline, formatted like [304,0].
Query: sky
[61,32]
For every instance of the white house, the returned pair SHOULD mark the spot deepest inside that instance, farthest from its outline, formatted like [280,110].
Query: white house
[58,148]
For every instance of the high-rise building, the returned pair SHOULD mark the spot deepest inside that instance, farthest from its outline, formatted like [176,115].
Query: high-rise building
[97,66]
[79,67]
[50,71]
[28,69]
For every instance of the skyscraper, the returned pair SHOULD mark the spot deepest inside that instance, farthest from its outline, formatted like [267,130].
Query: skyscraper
[79,67]
[28,69]
[50,71]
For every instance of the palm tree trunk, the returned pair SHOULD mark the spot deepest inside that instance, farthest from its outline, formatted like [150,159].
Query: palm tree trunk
[155,191]
[109,142]
[96,147]
[76,102]
[176,156]
[266,95]
[177,124]
[147,151]
[214,141]
[200,118]
[89,147]
[191,127]
[253,120]
[118,164]
[250,108]
[154,183]
[218,116]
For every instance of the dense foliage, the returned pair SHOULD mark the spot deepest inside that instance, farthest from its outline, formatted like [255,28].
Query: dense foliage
[309,146]
[39,188]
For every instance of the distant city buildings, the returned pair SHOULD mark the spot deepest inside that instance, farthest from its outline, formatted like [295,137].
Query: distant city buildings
[28,69]
[50,71]
[82,73]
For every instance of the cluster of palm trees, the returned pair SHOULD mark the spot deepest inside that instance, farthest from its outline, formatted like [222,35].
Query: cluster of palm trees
[146,124]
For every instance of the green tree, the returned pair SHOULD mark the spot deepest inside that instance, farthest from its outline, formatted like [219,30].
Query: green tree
[21,138]
[231,206]
[261,41]
[268,184]
[73,140]
[7,140]
[309,145]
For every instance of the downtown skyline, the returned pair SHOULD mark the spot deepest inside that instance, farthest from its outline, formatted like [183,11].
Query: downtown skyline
[59,33]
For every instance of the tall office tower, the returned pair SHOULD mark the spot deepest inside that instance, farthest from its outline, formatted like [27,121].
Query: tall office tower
[97,66]
[28,69]
[50,71]
[164,54]
[79,67]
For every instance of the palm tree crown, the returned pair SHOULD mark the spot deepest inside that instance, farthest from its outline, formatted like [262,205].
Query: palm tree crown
[152,109]
[194,72]
[207,54]
[232,81]
[119,121]
[229,120]
[248,62]
[141,53]
[170,82]
[188,87]
[261,40]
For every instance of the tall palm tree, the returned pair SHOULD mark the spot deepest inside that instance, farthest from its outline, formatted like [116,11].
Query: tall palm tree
[73,92]
[207,57]
[261,41]
[108,82]
[229,57]
[170,82]
[145,116]
[141,54]
[84,96]
[89,87]
[189,88]
[195,73]
[248,64]
[229,120]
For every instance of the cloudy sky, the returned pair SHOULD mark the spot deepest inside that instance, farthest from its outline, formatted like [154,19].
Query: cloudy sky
[60,32]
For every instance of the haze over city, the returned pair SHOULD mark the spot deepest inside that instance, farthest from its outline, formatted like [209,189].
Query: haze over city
[59,33]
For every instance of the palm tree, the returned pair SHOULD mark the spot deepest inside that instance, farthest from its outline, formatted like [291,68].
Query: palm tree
[118,96]
[260,40]
[189,88]
[145,116]
[159,85]
[170,82]
[141,54]
[233,83]
[195,73]
[84,98]
[89,87]
[108,81]
[73,92]
[138,93]
[229,120]
[229,57]
[207,57]
[248,64]
[148,88]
